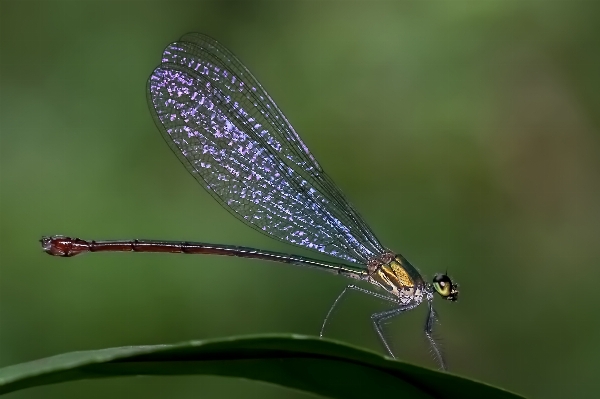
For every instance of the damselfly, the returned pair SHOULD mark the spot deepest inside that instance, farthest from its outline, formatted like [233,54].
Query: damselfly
[229,134]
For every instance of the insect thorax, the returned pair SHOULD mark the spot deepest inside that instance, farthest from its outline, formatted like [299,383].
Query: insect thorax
[398,277]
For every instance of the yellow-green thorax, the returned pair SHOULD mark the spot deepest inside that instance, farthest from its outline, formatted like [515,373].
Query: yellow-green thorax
[397,276]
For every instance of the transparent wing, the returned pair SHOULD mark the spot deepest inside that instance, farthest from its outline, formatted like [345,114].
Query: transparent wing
[234,140]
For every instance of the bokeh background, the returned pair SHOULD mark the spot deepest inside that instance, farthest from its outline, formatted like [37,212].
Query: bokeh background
[465,132]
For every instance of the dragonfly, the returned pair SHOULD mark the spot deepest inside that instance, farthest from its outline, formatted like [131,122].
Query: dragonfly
[235,141]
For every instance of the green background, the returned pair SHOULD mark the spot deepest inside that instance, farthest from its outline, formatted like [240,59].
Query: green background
[465,132]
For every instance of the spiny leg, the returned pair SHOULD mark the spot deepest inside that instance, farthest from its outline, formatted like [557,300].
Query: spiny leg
[429,323]
[383,316]
[359,289]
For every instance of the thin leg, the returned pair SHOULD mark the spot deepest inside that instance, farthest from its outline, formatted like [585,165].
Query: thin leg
[429,323]
[378,318]
[359,289]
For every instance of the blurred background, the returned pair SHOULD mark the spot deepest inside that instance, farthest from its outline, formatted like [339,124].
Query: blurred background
[466,133]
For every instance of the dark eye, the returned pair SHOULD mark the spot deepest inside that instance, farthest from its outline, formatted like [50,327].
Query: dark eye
[443,286]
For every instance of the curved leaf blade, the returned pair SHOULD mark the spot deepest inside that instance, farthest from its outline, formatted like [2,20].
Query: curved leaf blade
[318,366]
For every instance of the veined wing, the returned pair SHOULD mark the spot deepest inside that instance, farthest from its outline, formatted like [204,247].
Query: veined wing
[234,140]
[293,148]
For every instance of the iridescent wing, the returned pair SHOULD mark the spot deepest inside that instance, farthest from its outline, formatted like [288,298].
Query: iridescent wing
[235,141]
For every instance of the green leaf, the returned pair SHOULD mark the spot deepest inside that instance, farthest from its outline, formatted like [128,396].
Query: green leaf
[312,365]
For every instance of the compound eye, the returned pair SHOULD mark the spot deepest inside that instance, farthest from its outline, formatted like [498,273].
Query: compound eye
[443,285]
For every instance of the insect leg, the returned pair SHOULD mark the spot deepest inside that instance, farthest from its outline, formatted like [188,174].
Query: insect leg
[378,318]
[355,288]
